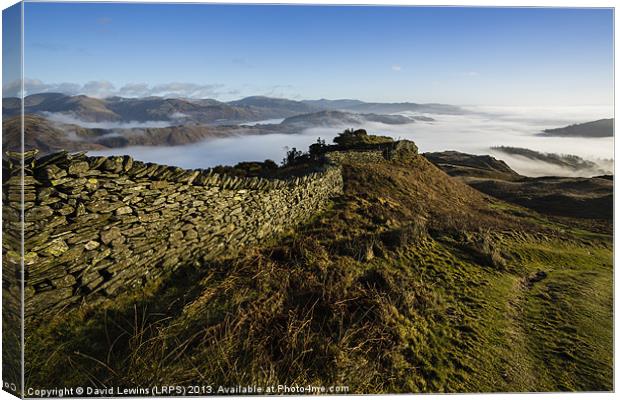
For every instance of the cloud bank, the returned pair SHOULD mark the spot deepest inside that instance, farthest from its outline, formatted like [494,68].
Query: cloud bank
[103,88]
[62,118]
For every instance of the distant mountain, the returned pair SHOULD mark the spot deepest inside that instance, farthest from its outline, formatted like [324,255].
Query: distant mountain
[271,107]
[205,102]
[56,121]
[341,118]
[41,134]
[384,108]
[82,107]
[599,128]
[166,136]
[53,135]
[394,108]
[187,111]
[43,98]
[118,109]
[341,104]
[48,136]
[205,111]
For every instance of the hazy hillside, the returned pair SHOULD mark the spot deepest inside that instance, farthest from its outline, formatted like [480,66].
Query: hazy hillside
[53,132]
[566,161]
[201,111]
[82,107]
[600,128]
[341,118]
[48,136]
[40,134]
[341,104]
[154,108]
[384,108]
[278,107]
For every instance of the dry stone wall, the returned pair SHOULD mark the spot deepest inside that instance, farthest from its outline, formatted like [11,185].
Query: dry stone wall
[369,156]
[96,226]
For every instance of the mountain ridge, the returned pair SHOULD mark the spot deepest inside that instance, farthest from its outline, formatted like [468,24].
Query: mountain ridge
[252,108]
[599,128]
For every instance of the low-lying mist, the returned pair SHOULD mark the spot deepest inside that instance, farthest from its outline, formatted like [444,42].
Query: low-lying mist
[63,118]
[264,122]
[220,151]
[473,133]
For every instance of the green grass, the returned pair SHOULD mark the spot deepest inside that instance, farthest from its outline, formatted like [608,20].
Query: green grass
[393,289]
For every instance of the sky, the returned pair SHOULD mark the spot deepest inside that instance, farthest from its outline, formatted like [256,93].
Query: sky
[456,55]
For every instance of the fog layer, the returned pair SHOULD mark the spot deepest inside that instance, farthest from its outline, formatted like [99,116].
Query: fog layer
[473,133]
[63,118]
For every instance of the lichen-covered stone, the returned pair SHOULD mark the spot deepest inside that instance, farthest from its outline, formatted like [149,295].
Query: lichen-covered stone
[111,234]
[103,206]
[78,168]
[91,245]
[124,210]
[38,213]
[56,248]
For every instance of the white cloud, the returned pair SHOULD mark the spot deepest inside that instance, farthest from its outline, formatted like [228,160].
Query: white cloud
[98,89]
[13,89]
[63,118]
[178,115]
[397,68]
[103,88]
[471,73]
[181,89]
[133,89]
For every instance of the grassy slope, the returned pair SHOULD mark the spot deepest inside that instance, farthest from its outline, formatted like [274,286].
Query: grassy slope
[411,282]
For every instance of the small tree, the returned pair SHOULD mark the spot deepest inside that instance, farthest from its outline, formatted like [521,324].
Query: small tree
[292,156]
[318,147]
[350,137]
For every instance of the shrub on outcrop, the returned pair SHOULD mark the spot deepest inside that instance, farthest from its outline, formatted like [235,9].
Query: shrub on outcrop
[359,137]
[248,169]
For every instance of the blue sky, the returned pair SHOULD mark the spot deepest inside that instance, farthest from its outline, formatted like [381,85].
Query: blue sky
[485,56]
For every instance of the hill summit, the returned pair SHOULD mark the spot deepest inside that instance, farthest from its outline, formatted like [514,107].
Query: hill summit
[408,281]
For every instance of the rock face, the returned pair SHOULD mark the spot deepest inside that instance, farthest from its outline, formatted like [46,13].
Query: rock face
[95,226]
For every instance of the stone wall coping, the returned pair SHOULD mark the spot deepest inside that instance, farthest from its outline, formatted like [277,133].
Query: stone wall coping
[62,164]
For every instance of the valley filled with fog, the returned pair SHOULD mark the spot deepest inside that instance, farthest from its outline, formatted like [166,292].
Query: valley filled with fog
[475,131]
